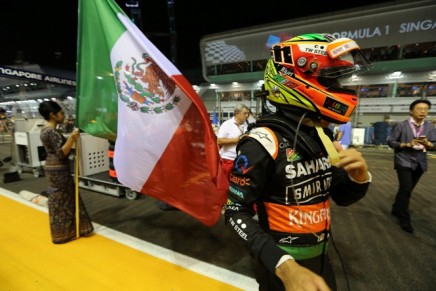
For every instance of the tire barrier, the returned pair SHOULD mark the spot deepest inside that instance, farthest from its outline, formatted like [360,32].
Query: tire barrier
[112,172]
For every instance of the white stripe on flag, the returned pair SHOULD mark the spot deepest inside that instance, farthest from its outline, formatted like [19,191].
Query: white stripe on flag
[141,137]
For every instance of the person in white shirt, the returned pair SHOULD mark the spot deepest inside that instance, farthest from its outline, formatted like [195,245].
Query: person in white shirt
[229,134]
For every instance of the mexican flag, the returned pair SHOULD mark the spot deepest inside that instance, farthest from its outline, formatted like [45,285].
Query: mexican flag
[129,91]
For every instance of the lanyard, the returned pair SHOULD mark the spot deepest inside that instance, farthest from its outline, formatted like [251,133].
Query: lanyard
[418,134]
[240,127]
[420,130]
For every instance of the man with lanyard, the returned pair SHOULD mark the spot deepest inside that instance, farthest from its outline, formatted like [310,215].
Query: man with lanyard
[411,139]
[229,134]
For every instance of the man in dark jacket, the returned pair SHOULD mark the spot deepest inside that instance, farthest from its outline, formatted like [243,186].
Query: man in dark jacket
[411,139]
[380,132]
[288,168]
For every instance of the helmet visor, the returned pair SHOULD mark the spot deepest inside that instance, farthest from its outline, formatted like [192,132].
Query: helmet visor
[348,63]
[340,68]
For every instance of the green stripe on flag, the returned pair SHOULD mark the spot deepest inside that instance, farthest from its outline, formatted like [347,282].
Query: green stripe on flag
[96,102]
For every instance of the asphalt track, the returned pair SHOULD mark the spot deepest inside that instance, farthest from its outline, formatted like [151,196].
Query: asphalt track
[140,247]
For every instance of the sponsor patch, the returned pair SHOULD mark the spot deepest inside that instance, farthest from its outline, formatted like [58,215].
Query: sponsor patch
[335,106]
[241,164]
[292,155]
[266,138]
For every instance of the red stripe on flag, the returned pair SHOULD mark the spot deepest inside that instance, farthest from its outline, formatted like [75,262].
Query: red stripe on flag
[211,146]
[182,175]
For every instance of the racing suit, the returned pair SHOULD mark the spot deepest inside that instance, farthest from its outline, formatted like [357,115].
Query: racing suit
[288,185]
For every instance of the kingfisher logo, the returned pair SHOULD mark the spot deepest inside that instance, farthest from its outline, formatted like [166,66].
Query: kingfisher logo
[241,164]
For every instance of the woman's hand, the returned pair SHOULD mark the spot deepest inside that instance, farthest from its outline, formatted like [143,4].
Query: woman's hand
[75,134]
[66,148]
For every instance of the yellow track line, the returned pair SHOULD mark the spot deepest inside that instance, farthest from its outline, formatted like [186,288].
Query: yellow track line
[29,261]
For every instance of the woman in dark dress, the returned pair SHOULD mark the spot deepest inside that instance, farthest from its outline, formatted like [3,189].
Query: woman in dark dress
[61,190]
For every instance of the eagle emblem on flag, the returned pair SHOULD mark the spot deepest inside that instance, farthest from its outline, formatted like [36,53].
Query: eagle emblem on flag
[143,86]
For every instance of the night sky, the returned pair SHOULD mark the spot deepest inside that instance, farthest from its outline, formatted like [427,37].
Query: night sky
[45,31]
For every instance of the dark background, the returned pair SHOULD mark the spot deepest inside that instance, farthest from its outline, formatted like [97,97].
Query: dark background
[44,32]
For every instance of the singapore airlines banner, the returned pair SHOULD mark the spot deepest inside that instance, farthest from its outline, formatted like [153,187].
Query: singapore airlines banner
[379,27]
[9,72]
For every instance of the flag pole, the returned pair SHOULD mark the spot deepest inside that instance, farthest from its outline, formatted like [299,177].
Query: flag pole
[76,123]
[76,184]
